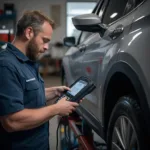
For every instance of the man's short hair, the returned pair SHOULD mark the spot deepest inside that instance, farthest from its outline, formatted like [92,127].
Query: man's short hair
[34,19]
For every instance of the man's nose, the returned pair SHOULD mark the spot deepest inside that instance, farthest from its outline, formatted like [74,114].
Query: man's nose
[46,46]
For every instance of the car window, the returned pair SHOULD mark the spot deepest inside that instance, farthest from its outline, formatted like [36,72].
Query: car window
[138,2]
[114,10]
[129,6]
[99,7]
[96,7]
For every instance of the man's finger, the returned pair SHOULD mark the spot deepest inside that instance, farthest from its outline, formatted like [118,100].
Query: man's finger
[73,109]
[75,104]
[63,88]
[57,93]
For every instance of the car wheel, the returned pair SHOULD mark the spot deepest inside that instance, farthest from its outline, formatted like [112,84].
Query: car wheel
[126,126]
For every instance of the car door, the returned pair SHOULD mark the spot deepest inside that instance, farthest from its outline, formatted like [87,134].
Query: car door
[99,54]
[75,59]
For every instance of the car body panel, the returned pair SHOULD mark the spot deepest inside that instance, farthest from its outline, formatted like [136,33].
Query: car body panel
[104,56]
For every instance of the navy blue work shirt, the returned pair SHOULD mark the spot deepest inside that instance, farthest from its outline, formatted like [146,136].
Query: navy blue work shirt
[21,87]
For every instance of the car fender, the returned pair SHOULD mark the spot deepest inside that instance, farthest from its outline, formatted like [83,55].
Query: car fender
[137,79]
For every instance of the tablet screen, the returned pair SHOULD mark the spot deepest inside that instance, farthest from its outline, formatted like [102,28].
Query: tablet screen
[77,87]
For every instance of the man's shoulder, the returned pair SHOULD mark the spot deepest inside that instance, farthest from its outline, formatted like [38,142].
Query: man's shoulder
[7,59]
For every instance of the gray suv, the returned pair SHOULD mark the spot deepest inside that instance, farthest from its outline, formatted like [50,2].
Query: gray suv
[114,51]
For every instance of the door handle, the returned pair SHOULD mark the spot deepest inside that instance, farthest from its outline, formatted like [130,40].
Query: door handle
[82,47]
[117,32]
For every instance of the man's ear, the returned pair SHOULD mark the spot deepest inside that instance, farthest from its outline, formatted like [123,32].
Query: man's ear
[29,34]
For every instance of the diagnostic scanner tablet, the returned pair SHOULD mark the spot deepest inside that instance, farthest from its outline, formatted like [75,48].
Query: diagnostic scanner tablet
[78,89]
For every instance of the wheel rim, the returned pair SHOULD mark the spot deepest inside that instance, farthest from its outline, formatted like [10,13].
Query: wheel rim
[124,136]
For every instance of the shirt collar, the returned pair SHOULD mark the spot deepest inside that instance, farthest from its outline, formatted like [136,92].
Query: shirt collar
[17,52]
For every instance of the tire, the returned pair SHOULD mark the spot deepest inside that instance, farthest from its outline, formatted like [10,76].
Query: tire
[126,130]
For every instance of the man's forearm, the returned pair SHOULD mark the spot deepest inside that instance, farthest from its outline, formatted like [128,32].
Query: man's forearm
[29,118]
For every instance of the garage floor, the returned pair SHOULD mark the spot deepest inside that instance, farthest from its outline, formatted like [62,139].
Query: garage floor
[52,81]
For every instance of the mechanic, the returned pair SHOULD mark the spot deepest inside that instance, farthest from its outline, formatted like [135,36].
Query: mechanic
[24,115]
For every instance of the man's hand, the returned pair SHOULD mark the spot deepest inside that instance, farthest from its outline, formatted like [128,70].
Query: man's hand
[66,107]
[54,92]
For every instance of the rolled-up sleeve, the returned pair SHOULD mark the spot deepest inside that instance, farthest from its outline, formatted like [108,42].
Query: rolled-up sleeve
[11,92]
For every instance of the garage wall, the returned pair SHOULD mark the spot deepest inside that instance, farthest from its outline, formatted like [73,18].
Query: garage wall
[43,5]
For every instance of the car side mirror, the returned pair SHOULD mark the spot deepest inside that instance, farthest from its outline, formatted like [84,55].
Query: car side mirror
[90,23]
[69,41]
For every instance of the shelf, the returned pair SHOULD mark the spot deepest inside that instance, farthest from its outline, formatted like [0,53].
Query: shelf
[5,16]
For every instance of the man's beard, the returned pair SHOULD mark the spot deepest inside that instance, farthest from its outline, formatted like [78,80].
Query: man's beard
[32,50]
